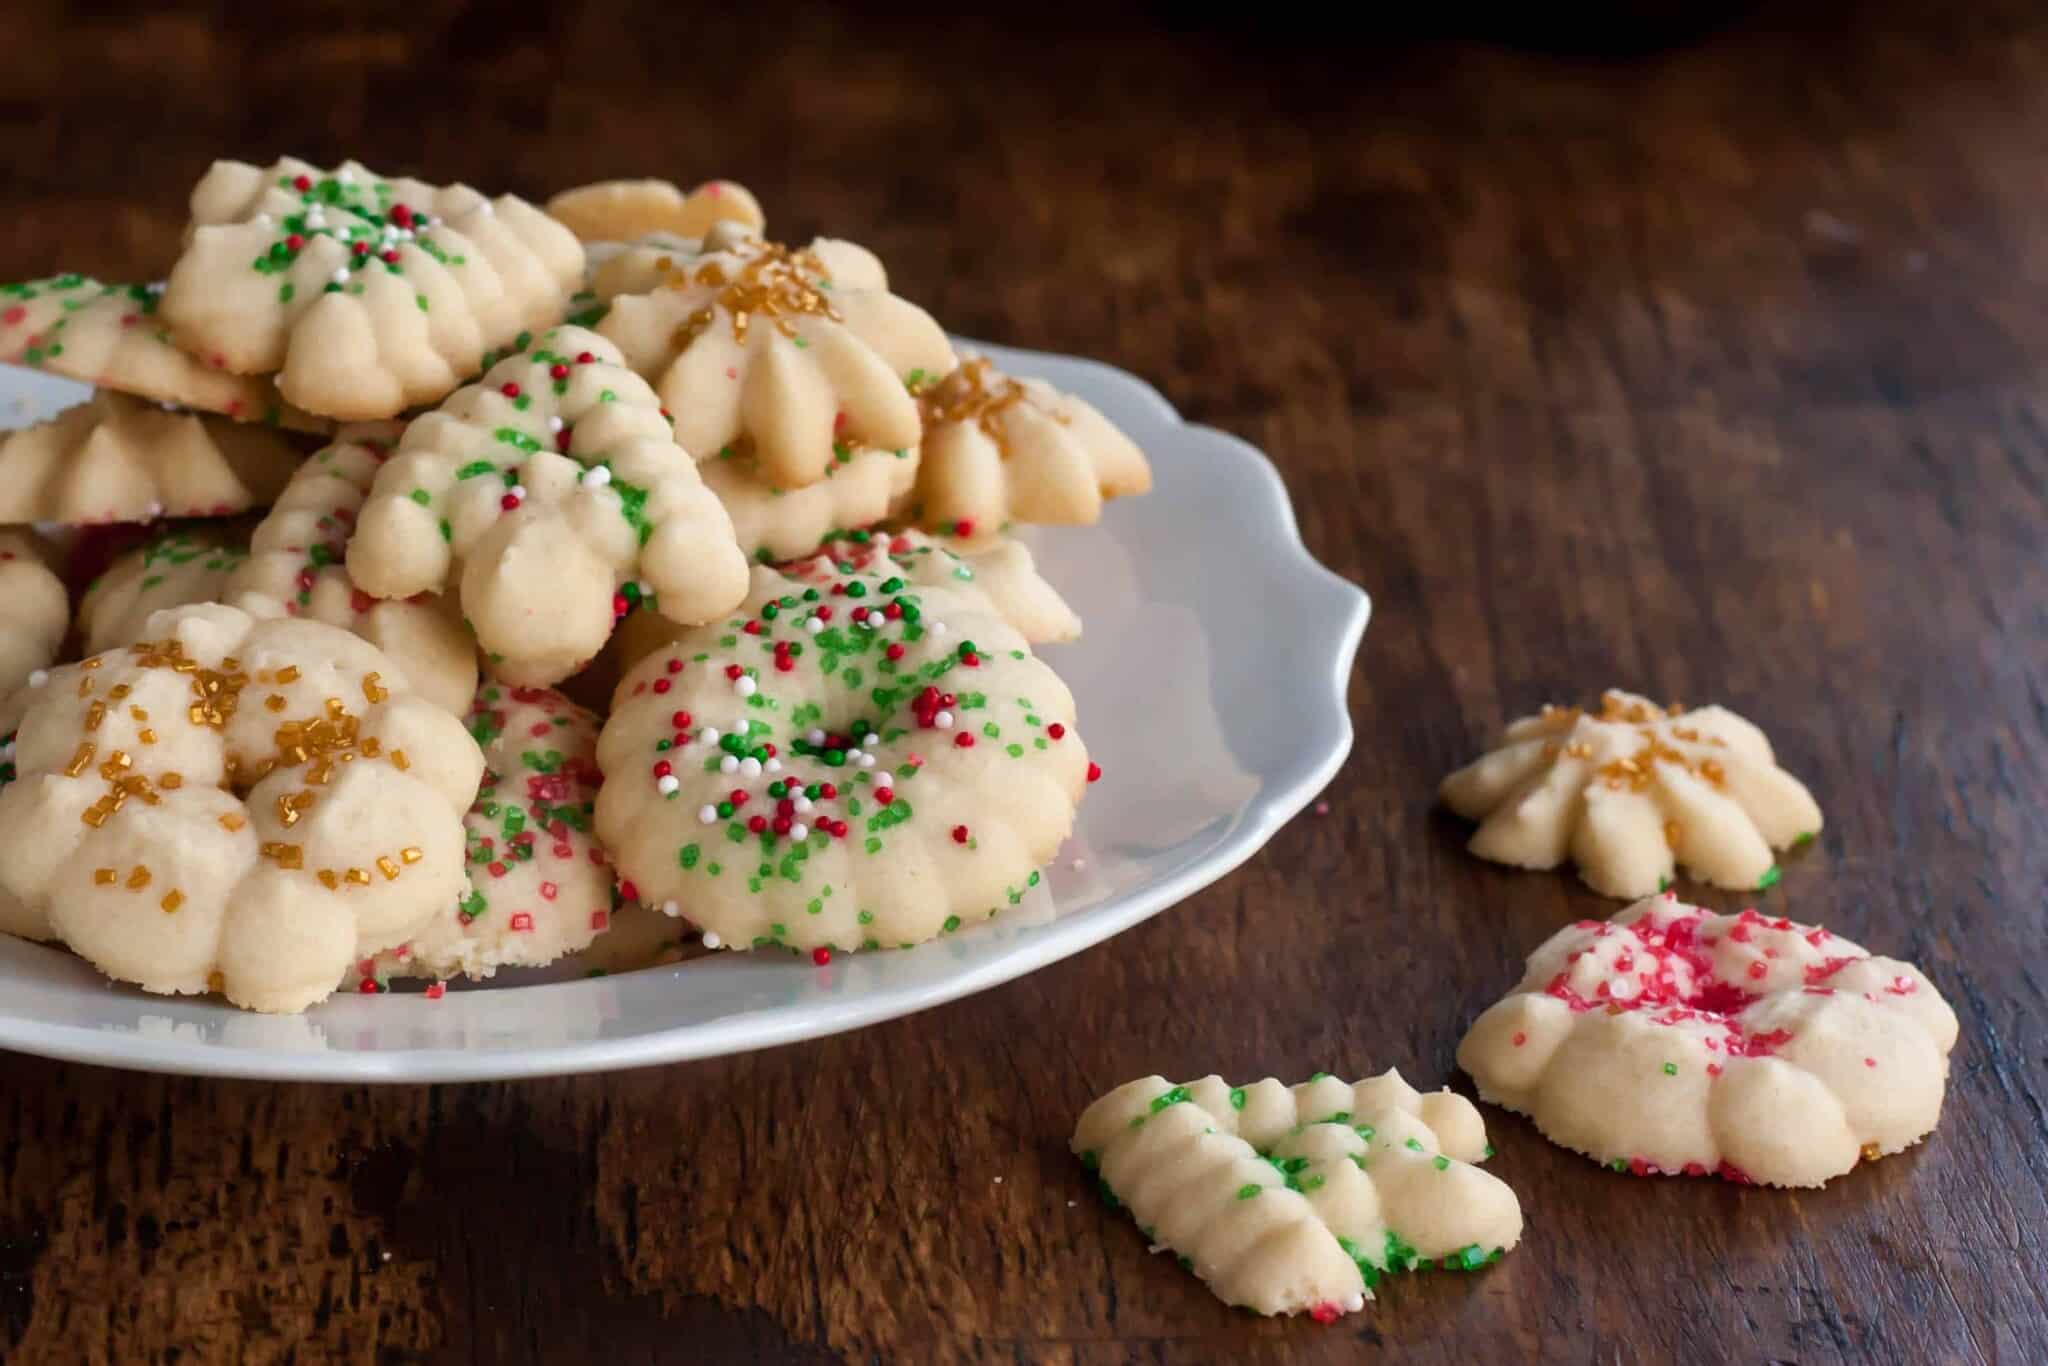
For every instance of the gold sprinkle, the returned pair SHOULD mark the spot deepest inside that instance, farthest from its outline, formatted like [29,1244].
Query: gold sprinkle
[94,715]
[172,900]
[387,868]
[119,691]
[215,982]
[372,747]
[104,877]
[231,821]
[1711,770]
[373,690]
[171,782]
[92,663]
[1579,749]
[358,877]
[775,283]
[335,709]
[229,664]
[410,854]
[1671,833]
[146,735]
[138,714]
[84,686]
[972,393]
[293,805]
[275,701]
[1871,1152]
[288,856]
[138,878]
[288,674]
[399,761]
[81,759]
[328,879]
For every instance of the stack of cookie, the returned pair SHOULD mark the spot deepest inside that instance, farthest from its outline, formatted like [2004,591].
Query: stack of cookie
[386,472]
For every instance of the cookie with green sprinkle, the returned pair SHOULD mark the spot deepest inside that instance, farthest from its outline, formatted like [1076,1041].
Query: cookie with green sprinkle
[182,563]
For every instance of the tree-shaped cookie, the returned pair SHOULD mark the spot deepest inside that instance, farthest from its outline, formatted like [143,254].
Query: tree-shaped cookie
[180,564]
[298,558]
[853,763]
[110,337]
[1632,790]
[35,611]
[116,459]
[780,353]
[550,496]
[999,450]
[365,294]
[539,884]
[1670,1040]
[629,210]
[1284,1199]
[235,804]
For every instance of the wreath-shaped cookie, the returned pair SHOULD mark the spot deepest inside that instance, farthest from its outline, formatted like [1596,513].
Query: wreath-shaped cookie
[235,804]
[183,563]
[550,496]
[845,764]
[1631,791]
[1670,1040]
[780,354]
[365,294]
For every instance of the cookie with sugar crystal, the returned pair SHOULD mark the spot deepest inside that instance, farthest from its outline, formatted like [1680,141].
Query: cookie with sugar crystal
[298,558]
[1670,1040]
[999,451]
[539,885]
[364,294]
[627,210]
[118,459]
[35,610]
[235,804]
[788,351]
[1291,1199]
[109,336]
[860,488]
[856,763]
[182,563]
[1630,792]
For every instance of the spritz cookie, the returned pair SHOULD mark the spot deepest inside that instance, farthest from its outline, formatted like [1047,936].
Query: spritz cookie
[298,558]
[629,210]
[183,563]
[364,294]
[999,451]
[1630,792]
[1284,1199]
[860,489]
[1670,1040]
[856,763]
[780,354]
[549,497]
[35,609]
[235,804]
[118,459]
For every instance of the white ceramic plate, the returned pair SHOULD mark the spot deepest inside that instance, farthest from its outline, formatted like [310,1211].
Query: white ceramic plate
[1211,688]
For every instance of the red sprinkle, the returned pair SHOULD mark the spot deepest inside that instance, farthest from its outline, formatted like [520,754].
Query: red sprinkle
[368,986]
[558,371]
[894,651]
[965,741]
[827,791]
[738,796]
[674,666]
[964,527]
[1056,731]
[885,795]
[821,956]
[302,183]
[757,823]
[959,834]
[294,242]
[1094,771]
[663,769]
[584,358]
[437,991]
[1327,1312]
[522,920]
[629,891]
[509,389]
[733,671]
[662,685]
[681,720]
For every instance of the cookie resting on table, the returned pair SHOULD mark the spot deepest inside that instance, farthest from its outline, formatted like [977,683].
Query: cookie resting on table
[118,459]
[235,805]
[35,610]
[539,885]
[627,210]
[1284,1199]
[181,564]
[1670,1040]
[549,497]
[1631,791]
[297,557]
[782,354]
[110,337]
[365,294]
[999,451]
[850,764]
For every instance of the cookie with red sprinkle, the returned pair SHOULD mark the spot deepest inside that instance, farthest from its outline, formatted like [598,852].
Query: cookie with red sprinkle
[857,762]
[1287,1200]
[1673,1041]
[627,210]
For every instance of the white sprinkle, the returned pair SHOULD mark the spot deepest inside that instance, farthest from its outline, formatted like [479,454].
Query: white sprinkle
[944,720]
[707,815]
[711,939]
[345,176]
[740,728]
[597,476]
[745,685]
[518,491]
[157,286]
[815,736]
[554,424]
[938,628]
[801,803]
[799,831]
[813,625]
[867,761]
[646,588]
[709,735]
[668,783]
[853,756]
[728,765]
[1354,1304]
[262,220]
[772,766]
[750,767]
[870,741]
[671,909]
[38,678]
[341,276]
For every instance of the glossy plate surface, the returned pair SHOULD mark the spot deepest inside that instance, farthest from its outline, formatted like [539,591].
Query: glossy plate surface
[1211,687]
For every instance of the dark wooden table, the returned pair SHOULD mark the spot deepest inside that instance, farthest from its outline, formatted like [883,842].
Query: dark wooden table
[1716,371]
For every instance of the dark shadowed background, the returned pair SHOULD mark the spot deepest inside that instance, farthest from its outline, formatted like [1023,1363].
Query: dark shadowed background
[1704,357]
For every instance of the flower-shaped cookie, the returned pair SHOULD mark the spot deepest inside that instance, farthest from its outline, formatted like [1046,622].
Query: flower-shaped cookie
[999,450]
[781,354]
[366,295]
[847,764]
[553,493]
[110,337]
[539,885]
[235,804]
[116,459]
[1630,791]
[628,210]
[181,564]
[1284,1199]
[859,489]
[35,611]
[1670,1040]
[297,556]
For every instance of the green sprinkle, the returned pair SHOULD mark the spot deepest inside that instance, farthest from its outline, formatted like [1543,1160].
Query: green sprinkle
[1237,1097]
[1769,879]
[1441,1163]
[689,855]
[1174,1097]
[1248,1190]
[1670,1069]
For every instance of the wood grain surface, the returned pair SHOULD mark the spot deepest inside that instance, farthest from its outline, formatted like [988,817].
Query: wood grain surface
[1713,370]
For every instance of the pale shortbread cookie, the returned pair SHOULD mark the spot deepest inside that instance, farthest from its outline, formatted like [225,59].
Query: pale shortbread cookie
[181,564]
[117,459]
[780,354]
[110,337]
[610,211]
[999,450]
[298,555]
[1671,1041]
[35,610]
[539,885]
[365,294]
[1631,791]
[235,804]
[1284,1199]
[542,495]
[844,765]
[859,489]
